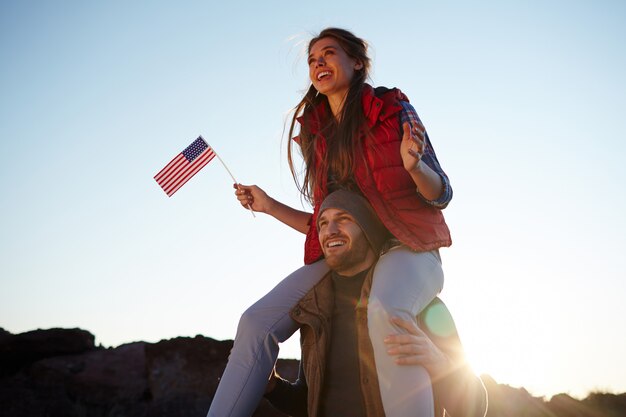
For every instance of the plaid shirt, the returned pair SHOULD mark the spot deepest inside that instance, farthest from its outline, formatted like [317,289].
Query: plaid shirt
[408,114]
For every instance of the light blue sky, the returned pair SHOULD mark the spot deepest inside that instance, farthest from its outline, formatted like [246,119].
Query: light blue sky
[524,102]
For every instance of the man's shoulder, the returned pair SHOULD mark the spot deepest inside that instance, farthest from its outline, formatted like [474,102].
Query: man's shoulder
[437,321]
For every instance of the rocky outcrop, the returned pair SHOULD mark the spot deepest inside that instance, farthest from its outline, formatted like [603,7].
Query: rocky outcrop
[505,401]
[60,373]
[17,351]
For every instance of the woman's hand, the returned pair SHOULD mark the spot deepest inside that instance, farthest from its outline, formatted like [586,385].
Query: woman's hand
[415,348]
[253,196]
[429,184]
[413,145]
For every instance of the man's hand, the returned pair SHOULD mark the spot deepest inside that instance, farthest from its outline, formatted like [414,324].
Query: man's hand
[415,348]
[271,383]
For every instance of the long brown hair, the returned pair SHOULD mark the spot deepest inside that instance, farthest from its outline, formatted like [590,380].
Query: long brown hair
[341,132]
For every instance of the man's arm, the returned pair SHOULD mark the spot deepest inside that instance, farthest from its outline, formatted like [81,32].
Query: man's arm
[437,347]
[290,398]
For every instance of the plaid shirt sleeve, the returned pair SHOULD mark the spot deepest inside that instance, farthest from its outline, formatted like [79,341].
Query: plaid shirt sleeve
[408,114]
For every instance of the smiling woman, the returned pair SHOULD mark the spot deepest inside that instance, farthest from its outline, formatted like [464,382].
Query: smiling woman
[331,71]
[370,141]
[528,122]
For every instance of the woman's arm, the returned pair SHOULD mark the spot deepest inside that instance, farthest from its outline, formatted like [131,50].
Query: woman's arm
[258,200]
[420,160]
[428,182]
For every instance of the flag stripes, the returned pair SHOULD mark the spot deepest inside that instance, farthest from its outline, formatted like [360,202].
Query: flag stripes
[184,166]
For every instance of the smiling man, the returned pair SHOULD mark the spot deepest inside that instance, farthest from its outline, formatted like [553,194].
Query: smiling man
[346,248]
[337,370]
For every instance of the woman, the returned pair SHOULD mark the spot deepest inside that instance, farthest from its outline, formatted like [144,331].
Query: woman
[372,142]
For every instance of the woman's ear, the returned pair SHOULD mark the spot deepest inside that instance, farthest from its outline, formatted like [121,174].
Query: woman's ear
[358,65]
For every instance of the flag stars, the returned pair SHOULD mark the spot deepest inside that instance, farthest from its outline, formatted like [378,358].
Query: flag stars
[195,149]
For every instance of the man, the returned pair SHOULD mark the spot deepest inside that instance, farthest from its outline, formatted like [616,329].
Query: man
[337,370]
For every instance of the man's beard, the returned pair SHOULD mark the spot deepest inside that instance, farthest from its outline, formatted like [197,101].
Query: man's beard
[350,258]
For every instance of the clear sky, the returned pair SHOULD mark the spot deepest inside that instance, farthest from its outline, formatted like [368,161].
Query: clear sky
[524,102]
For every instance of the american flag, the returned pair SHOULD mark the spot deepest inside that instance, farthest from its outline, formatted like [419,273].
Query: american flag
[184,166]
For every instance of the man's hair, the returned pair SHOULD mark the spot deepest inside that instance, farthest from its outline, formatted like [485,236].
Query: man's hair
[363,213]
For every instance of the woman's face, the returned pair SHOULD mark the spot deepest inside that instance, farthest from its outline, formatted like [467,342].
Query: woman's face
[330,68]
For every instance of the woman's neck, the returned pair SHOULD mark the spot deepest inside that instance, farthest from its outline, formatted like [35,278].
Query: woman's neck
[336,103]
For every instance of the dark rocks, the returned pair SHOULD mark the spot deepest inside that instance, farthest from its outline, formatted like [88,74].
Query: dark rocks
[611,404]
[17,351]
[506,401]
[183,374]
[60,373]
[565,406]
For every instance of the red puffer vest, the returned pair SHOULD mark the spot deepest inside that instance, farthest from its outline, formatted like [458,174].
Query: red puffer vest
[383,180]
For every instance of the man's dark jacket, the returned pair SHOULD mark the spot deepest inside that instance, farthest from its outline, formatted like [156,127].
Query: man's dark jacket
[459,392]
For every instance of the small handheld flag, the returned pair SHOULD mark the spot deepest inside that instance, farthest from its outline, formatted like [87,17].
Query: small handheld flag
[187,164]
[184,166]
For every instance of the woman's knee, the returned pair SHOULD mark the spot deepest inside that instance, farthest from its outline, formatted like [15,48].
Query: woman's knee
[405,282]
[252,325]
[401,268]
[265,325]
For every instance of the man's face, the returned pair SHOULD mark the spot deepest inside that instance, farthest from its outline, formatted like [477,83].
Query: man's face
[346,249]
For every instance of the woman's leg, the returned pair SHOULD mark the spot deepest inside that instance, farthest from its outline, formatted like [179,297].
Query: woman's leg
[265,324]
[404,283]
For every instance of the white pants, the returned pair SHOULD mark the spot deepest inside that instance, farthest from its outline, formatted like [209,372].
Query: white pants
[404,283]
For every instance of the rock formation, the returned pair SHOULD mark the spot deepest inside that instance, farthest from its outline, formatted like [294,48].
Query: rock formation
[61,373]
